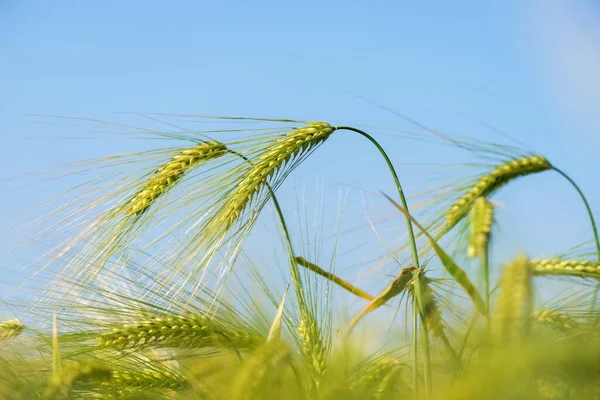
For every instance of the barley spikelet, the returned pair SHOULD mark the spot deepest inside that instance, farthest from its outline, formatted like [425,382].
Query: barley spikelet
[60,385]
[290,146]
[11,328]
[494,180]
[312,345]
[514,300]
[260,370]
[381,381]
[554,319]
[482,215]
[192,331]
[556,266]
[433,317]
[149,379]
[167,176]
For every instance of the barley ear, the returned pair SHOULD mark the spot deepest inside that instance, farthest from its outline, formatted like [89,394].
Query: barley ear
[170,173]
[557,266]
[11,328]
[514,301]
[554,320]
[482,214]
[312,346]
[491,182]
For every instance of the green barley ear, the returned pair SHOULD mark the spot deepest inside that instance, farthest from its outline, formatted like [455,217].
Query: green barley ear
[260,371]
[554,320]
[557,266]
[312,346]
[168,175]
[60,385]
[482,216]
[514,301]
[11,328]
[149,379]
[188,331]
[275,331]
[491,182]
[381,381]
[291,146]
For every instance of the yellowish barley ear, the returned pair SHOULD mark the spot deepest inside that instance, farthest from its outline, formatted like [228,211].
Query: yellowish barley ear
[149,379]
[11,328]
[313,347]
[554,320]
[60,385]
[557,266]
[514,301]
[186,331]
[491,182]
[482,216]
[170,173]
[276,156]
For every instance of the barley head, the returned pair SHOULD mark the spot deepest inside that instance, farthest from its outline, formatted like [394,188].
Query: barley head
[482,215]
[514,300]
[287,148]
[171,172]
[191,331]
[11,328]
[489,183]
[312,344]
[557,266]
[150,379]
[554,320]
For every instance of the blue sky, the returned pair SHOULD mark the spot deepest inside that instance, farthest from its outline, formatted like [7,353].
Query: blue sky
[528,68]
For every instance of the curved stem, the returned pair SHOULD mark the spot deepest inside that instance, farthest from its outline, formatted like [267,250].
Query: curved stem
[594,229]
[413,242]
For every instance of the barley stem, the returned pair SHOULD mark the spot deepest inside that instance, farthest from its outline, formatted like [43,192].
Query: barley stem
[409,227]
[594,229]
[419,297]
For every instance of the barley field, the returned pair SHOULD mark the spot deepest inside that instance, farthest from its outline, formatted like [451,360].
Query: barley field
[160,287]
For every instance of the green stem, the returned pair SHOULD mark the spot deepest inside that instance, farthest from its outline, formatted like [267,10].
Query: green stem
[415,351]
[409,227]
[594,229]
[484,259]
[418,296]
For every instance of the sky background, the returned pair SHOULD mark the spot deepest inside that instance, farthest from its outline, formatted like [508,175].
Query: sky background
[528,68]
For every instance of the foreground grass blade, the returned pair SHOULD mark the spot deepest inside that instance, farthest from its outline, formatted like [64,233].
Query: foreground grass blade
[459,275]
[275,331]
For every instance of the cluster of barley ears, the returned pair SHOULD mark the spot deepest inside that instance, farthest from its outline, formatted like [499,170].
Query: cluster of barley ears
[156,296]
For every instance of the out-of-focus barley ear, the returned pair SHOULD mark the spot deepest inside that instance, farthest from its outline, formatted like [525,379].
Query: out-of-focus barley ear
[275,330]
[554,320]
[333,278]
[557,266]
[313,347]
[171,172]
[150,379]
[432,315]
[11,328]
[512,316]
[274,157]
[491,182]
[260,371]
[381,381]
[187,331]
[482,216]
[60,385]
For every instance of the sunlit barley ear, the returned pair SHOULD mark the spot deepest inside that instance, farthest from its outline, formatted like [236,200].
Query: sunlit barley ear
[148,379]
[60,384]
[491,182]
[171,172]
[313,346]
[11,328]
[512,316]
[290,146]
[554,320]
[177,331]
[481,219]
[557,266]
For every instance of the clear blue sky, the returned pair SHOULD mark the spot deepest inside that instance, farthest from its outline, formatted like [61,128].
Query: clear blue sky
[525,67]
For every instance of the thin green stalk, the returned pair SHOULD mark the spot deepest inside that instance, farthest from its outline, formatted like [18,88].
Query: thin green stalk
[415,352]
[594,229]
[418,299]
[409,227]
[484,260]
